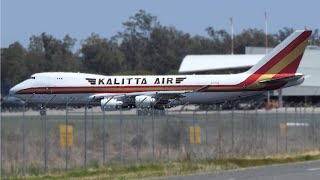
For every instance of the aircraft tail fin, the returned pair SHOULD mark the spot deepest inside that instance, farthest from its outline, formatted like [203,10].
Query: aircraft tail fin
[285,58]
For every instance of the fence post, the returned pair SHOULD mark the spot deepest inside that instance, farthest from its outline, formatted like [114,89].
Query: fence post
[300,118]
[194,130]
[278,131]
[153,126]
[92,118]
[185,138]
[23,133]
[85,137]
[167,125]
[137,130]
[23,138]
[103,137]
[207,131]
[66,122]
[232,129]
[138,138]
[219,132]
[305,127]
[46,136]
[286,121]
[317,123]
[121,135]
[243,131]
[266,129]
[314,127]
[85,131]
[104,131]
[296,119]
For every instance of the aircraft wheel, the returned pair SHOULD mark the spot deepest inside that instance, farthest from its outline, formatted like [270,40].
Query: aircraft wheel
[43,111]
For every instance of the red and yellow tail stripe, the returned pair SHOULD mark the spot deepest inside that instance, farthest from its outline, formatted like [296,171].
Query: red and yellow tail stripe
[283,64]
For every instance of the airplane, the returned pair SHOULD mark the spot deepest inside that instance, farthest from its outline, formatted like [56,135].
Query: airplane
[274,71]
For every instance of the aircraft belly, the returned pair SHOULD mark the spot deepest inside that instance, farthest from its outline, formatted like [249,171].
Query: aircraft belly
[82,99]
[55,99]
[212,97]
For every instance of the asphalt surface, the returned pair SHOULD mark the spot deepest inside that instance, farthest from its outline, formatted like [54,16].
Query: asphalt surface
[297,171]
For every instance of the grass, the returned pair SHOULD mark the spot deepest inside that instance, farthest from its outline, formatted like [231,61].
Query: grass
[182,167]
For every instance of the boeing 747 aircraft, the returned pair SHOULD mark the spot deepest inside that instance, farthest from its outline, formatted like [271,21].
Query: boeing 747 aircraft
[276,70]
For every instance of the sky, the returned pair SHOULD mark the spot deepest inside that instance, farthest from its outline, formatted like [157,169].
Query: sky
[20,19]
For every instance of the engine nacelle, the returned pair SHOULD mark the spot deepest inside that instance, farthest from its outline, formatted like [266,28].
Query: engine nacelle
[144,101]
[110,104]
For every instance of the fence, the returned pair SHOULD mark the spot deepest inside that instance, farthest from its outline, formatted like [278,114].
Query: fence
[33,144]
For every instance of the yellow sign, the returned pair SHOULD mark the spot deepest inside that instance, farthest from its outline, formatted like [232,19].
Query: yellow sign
[283,128]
[63,129]
[195,133]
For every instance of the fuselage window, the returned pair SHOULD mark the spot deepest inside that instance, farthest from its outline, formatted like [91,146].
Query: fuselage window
[32,77]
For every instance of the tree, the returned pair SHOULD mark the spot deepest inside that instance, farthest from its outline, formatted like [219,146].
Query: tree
[221,41]
[283,34]
[315,38]
[47,53]
[101,55]
[13,69]
[165,49]
[134,38]
[252,37]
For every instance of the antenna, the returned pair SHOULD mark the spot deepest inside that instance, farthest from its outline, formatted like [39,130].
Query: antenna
[232,45]
[266,41]
[266,30]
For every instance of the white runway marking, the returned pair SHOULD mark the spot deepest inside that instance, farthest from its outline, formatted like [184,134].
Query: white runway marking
[313,169]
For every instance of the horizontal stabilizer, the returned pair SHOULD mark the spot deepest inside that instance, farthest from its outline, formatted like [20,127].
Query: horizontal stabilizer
[282,80]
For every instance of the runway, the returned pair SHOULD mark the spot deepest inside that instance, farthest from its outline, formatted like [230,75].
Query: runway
[297,171]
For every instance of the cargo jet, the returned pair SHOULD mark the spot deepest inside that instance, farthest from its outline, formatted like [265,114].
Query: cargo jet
[274,71]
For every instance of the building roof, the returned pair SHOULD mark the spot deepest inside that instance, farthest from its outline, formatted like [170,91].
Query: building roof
[198,63]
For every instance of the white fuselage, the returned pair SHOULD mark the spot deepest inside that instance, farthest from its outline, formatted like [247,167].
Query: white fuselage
[60,88]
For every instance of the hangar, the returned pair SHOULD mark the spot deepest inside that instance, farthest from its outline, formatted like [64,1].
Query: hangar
[308,92]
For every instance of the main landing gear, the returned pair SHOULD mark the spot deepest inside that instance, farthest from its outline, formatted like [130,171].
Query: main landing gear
[43,111]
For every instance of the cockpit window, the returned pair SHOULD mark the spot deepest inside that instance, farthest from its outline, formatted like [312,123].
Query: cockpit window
[32,77]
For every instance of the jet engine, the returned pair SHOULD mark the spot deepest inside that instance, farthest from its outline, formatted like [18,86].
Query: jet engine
[144,101]
[108,104]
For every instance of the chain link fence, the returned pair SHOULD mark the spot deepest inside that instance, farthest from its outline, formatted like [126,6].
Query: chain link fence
[35,144]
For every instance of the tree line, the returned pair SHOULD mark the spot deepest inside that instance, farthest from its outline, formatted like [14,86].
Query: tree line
[144,46]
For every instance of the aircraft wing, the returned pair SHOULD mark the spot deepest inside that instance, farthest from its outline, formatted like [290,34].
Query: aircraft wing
[155,94]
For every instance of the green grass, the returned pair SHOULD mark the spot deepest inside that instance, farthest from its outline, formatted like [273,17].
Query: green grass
[185,166]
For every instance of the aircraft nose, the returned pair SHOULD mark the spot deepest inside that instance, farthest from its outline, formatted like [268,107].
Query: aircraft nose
[13,90]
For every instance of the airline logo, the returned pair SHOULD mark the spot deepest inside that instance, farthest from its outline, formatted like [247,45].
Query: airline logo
[179,80]
[134,81]
[92,81]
